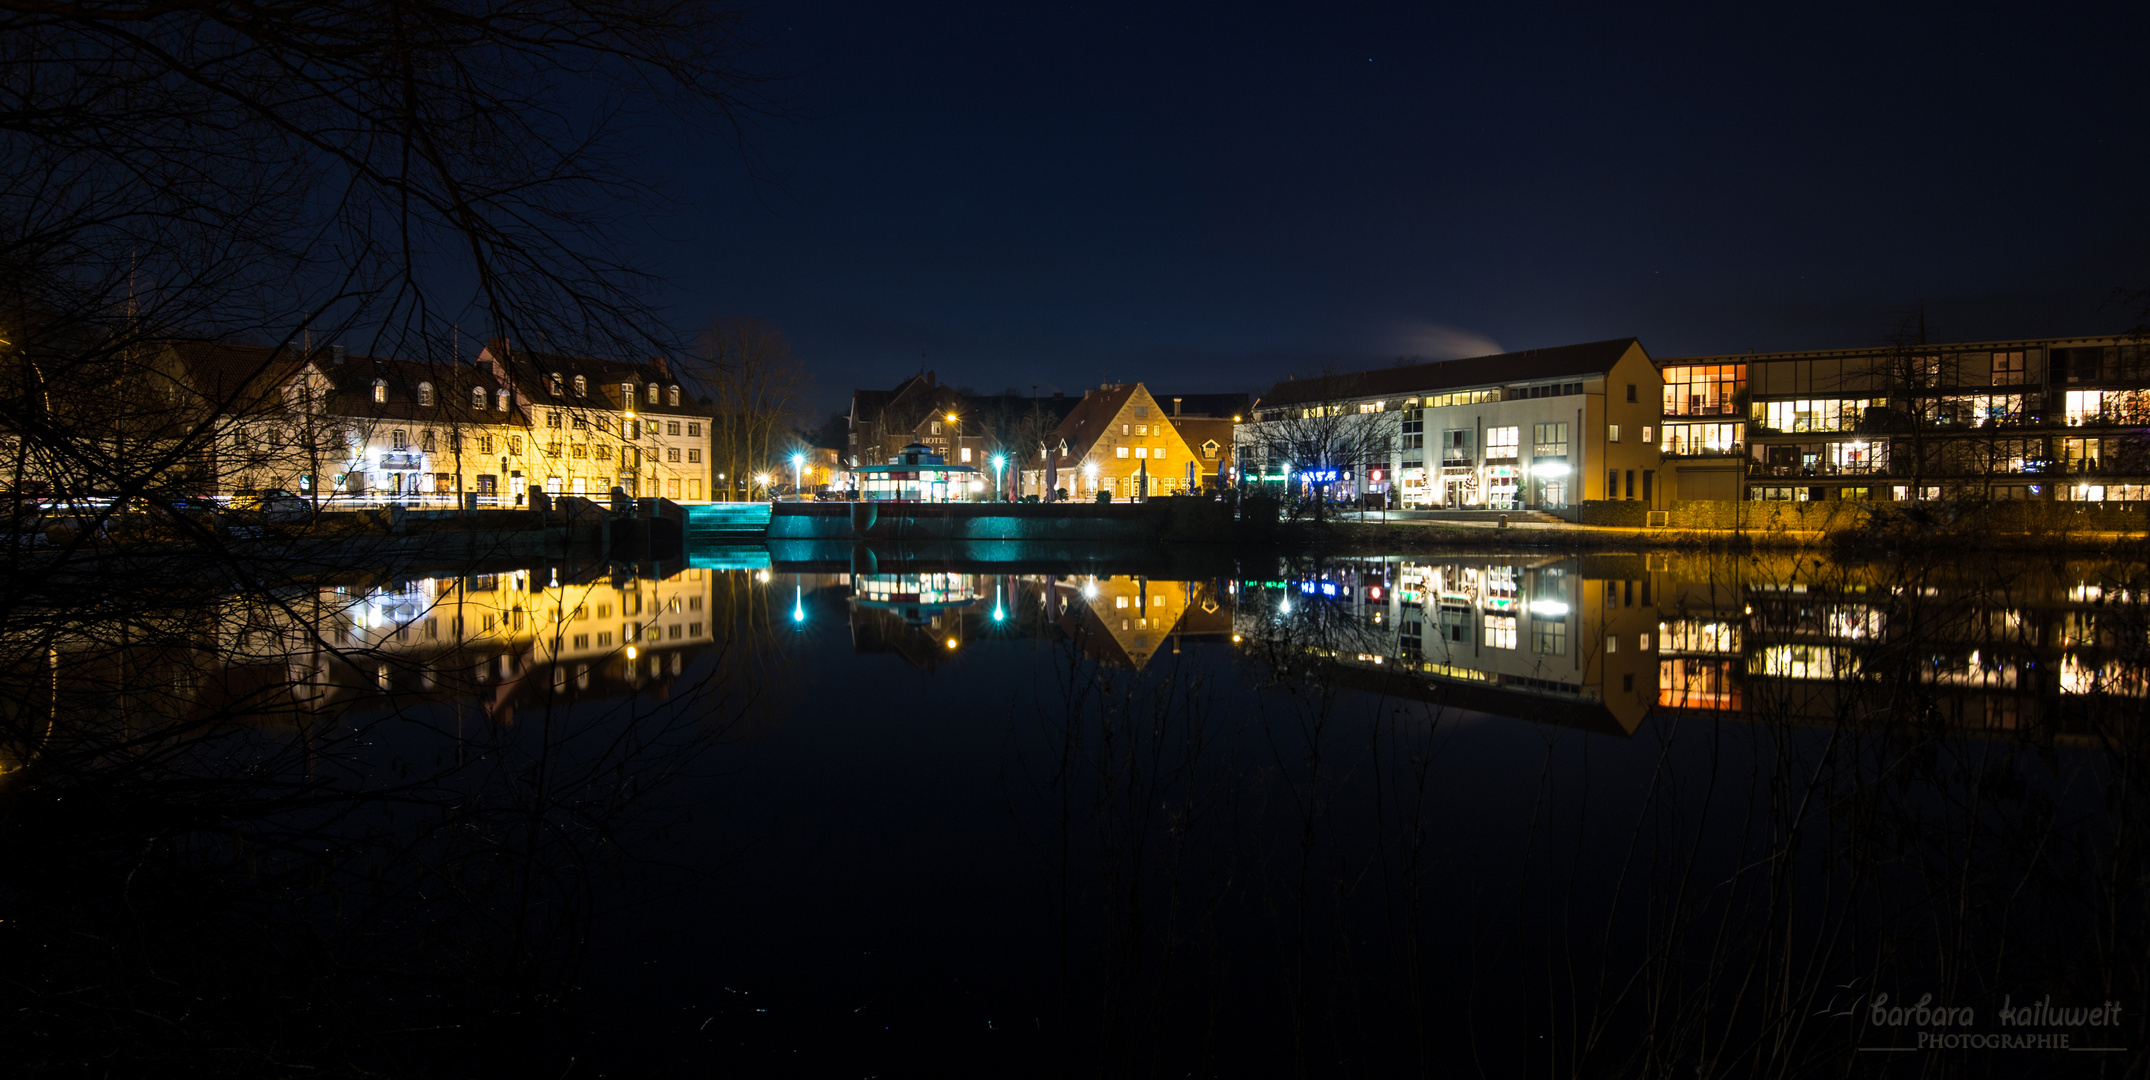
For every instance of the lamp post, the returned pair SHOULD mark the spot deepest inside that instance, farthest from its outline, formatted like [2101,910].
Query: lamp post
[1000,494]
[798,462]
[763,480]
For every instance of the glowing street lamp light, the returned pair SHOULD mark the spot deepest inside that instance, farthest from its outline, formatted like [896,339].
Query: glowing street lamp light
[798,462]
[763,480]
[999,493]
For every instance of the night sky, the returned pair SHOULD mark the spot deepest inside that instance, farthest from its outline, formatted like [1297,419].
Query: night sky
[1209,198]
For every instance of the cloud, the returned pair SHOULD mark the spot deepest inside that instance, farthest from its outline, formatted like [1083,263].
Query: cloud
[1432,341]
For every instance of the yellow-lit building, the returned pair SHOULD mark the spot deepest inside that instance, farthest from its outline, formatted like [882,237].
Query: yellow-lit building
[1119,441]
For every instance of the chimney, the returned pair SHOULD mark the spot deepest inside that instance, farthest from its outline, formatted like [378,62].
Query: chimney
[1175,407]
[1058,394]
[932,379]
[498,347]
[335,353]
[663,366]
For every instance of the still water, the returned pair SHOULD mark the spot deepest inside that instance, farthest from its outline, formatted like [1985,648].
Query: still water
[1148,813]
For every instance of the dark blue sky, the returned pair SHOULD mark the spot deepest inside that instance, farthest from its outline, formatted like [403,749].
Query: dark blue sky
[1211,197]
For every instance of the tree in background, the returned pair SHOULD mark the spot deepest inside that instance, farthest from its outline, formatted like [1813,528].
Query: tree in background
[1322,437]
[757,383]
[369,175]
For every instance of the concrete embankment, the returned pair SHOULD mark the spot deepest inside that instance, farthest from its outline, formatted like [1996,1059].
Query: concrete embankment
[576,532]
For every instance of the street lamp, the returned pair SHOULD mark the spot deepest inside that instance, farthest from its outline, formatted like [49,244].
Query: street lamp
[1089,472]
[798,461]
[999,493]
[763,480]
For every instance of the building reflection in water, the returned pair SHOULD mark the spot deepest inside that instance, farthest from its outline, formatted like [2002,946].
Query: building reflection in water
[1122,620]
[505,639]
[1599,642]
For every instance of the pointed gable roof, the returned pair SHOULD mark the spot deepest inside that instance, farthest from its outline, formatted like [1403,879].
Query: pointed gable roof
[1092,417]
[236,378]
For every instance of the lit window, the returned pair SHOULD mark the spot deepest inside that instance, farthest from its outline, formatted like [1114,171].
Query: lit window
[582,386]
[500,400]
[627,395]
[966,455]
[1142,452]
[425,393]
[477,397]
[556,387]
[653,393]
[1500,631]
[1158,453]
[671,395]
[380,390]
[1120,452]
[1612,433]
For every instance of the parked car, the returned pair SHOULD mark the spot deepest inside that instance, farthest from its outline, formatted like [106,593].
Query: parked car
[256,498]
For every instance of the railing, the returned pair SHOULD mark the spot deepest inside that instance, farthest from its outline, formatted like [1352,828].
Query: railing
[1701,408]
[1817,469]
[1676,449]
[420,500]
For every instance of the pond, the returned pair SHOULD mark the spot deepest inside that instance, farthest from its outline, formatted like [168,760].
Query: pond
[1145,811]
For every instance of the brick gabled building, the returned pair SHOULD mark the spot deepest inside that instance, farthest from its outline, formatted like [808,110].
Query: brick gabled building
[1120,439]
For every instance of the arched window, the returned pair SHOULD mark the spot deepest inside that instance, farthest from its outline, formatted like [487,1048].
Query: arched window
[425,393]
[671,396]
[556,390]
[380,389]
[426,442]
[477,397]
[627,395]
[653,393]
[582,386]
[500,400]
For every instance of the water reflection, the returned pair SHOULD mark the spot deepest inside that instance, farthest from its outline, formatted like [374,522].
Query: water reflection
[1239,816]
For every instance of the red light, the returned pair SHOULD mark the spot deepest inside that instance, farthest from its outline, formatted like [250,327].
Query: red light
[1373,592]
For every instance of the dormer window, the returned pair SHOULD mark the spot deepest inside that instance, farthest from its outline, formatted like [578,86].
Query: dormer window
[582,386]
[556,385]
[671,396]
[627,395]
[477,397]
[425,393]
[653,393]
[500,400]
[380,390]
